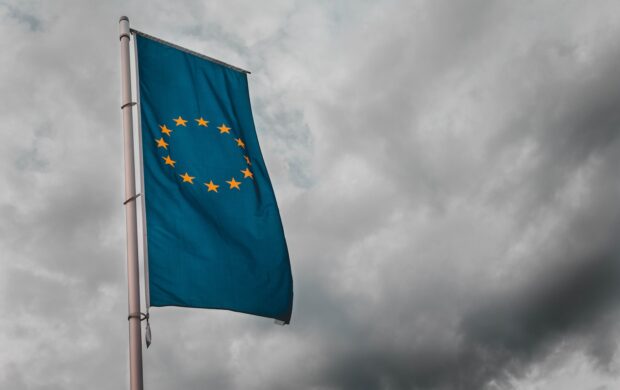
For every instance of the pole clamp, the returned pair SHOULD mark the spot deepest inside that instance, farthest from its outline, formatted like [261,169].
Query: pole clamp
[132,198]
[141,316]
[128,104]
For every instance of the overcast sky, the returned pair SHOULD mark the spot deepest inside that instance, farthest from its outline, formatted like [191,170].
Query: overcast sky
[447,174]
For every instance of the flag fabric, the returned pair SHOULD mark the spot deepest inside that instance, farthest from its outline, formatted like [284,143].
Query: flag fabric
[214,234]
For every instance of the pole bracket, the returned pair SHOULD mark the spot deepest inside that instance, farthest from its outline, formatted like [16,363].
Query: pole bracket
[141,316]
[128,104]
[131,199]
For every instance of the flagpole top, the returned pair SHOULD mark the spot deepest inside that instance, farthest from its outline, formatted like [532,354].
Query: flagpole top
[123,27]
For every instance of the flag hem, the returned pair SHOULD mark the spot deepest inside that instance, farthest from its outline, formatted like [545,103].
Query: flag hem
[181,48]
[145,251]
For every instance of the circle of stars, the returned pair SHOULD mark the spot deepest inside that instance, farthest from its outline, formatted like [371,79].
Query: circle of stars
[233,184]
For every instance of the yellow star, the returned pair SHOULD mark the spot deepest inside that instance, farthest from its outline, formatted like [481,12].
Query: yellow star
[187,178]
[246,173]
[165,130]
[234,184]
[240,143]
[224,129]
[169,161]
[211,186]
[202,122]
[180,121]
[161,143]
[247,160]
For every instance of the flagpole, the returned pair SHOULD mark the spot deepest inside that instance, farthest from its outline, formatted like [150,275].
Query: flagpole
[133,282]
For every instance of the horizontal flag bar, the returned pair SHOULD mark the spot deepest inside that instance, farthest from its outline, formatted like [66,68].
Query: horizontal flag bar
[190,51]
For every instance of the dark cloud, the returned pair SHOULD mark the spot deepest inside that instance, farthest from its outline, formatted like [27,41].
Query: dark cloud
[447,176]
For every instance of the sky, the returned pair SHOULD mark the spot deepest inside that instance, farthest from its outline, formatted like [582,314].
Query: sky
[446,172]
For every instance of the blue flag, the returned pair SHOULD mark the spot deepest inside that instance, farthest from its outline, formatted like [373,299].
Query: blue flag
[214,235]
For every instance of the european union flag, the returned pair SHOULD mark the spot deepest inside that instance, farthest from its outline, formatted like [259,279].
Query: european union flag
[214,235]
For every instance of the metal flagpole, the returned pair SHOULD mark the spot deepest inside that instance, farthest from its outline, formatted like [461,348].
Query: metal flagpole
[135,336]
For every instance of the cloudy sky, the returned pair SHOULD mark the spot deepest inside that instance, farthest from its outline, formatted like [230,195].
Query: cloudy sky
[447,174]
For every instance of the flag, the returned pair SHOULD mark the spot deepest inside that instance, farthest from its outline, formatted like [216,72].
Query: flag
[214,234]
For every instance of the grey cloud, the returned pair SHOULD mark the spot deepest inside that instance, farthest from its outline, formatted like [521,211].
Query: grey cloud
[447,176]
